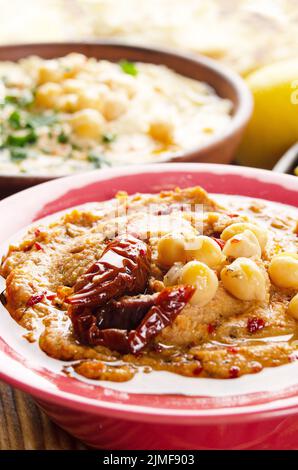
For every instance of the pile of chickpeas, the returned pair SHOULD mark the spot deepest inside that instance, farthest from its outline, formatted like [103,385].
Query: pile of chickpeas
[201,262]
[65,85]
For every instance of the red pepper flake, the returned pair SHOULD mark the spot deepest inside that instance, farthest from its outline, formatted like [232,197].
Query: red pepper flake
[255,324]
[164,211]
[235,241]
[198,369]
[35,299]
[51,296]
[233,215]
[37,232]
[211,327]
[234,372]
[293,357]
[219,241]
[38,246]
[233,349]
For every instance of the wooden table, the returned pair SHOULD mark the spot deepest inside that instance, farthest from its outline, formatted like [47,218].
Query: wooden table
[24,427]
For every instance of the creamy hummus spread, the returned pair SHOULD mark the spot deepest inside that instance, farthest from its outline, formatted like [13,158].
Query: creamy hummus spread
[174,281]
[75,114]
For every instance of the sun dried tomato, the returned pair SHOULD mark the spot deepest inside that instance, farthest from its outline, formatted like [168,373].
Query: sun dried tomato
[168,305]
[123,269]
[109,306]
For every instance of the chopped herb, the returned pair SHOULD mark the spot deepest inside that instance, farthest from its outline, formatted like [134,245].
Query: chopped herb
[11,99]
[21,139]
[108,138]
[15,120]
[98,161]
[39,120]
[62,138]
[18,155]
[27,99]
[76,147]
[23,101]
[128,67]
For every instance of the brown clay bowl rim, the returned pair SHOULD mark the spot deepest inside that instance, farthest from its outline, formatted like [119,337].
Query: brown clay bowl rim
[240,116]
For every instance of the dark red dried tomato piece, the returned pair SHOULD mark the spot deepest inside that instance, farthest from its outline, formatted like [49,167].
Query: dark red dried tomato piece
[105,308]
[114,339]
[255,324]
[126,312]
[168,305]
[123,269]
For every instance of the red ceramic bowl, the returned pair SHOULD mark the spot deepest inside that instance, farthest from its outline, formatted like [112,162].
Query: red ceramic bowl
[251,413]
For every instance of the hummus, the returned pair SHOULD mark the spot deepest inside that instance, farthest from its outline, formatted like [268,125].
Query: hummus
[76,113]
[73,280]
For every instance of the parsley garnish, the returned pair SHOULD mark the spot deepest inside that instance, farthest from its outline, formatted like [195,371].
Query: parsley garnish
[108,138]
[15,120]
[62,138]
[128,67]
[21,139]
[39,120]
[22,101]
[18,155]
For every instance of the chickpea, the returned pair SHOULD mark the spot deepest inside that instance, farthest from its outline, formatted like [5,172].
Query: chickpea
[49,71]
[243,244]
[115,104]
[203,278]
[208,252]
[244,280]
[163,131]
[92,97]
[239,227]
[87,123]
[67,103]
[293,307]
[48,94]
[54,70]
[72,63]
[283,270]
[73,85]
[123,83]
[171,249]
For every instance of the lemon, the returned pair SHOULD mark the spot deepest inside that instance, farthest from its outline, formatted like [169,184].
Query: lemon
[273,127]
